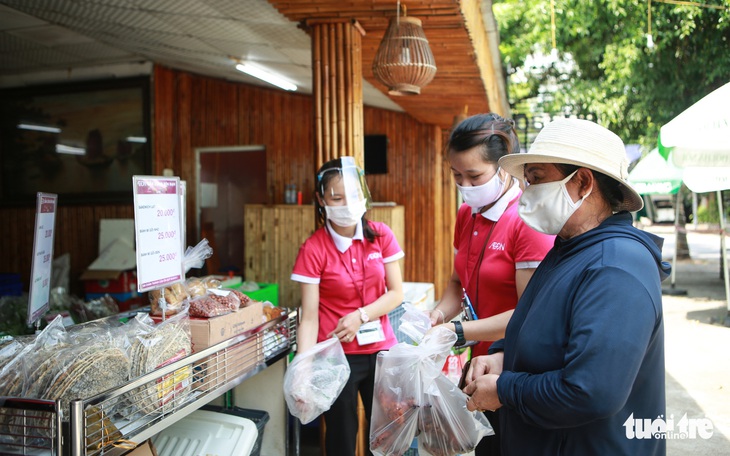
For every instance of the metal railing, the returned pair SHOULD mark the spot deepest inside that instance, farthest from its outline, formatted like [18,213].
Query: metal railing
[147,404]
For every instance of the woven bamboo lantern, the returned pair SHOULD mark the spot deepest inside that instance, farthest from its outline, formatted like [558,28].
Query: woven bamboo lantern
[404,62]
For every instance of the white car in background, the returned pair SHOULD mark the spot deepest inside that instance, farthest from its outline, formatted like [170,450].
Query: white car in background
[663,208]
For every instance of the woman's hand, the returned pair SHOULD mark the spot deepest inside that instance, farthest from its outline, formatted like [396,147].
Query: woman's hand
[437,317]
[347,327]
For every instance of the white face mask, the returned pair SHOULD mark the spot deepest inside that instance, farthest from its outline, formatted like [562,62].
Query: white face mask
[481,195]
[348,215]
[547,207]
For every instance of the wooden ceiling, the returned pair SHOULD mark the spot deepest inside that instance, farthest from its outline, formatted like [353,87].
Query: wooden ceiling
[458,40]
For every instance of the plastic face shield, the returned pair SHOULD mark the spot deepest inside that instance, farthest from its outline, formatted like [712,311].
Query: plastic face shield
[344,186]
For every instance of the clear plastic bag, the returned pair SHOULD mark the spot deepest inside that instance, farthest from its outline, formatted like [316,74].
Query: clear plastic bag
[215,302]
[413,398]
[315,379]
[195,256]
[414,323]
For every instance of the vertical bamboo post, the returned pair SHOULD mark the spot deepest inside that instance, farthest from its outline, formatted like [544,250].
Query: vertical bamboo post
[337,79]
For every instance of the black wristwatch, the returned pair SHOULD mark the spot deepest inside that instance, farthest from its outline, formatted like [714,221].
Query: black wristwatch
[459,330]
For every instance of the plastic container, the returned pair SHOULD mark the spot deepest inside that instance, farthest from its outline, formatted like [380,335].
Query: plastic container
[266,292]
[205,432]
[258,417]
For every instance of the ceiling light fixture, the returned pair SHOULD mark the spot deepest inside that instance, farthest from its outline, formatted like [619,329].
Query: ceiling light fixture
[404,62]
[64,149]
[43,128]
[265,76]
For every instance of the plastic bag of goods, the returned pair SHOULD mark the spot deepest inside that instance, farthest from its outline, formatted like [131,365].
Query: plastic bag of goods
[315,379]
[413,398]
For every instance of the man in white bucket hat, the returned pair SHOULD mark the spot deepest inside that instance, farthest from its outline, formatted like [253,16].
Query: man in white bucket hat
[582,361]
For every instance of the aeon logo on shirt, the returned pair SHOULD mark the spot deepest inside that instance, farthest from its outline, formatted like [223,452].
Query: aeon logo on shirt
[374,256]
[496,246]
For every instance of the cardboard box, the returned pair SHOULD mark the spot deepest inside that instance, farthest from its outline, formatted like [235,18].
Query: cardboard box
[144,449]
[210,331]
[226,364]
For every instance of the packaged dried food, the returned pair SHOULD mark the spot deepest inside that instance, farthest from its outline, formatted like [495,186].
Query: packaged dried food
[152,348]
[271,312]
[170,299]
[213,303]
[315,378]
[211,282]
[413,398]
[195,287]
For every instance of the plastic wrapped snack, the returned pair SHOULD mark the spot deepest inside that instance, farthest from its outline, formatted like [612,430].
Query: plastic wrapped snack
[215,302]
[170,299]
[152,348]
[211,282]
[315,378]
[413,398]
[195,287]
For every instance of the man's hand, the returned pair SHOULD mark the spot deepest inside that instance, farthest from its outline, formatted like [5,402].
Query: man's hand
[486,364]
[483,393]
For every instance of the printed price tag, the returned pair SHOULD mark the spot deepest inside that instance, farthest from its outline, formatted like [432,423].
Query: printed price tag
[40,280]
[157,223]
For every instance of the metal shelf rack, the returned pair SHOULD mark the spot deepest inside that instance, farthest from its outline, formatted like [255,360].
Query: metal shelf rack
[149,403]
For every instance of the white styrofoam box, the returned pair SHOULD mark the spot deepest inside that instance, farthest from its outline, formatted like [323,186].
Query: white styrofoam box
[420,294]
[205,433]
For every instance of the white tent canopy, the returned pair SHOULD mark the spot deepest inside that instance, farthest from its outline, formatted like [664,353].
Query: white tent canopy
[699,142]
[700,135]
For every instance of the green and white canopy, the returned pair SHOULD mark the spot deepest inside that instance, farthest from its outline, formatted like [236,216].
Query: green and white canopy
[655,175]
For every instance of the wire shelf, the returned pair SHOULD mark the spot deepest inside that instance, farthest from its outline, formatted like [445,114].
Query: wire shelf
[148,404]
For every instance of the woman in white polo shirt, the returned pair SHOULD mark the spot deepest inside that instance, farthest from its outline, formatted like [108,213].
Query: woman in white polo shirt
[350,280]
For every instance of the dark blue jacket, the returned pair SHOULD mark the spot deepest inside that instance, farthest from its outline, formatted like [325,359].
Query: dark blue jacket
[584,349]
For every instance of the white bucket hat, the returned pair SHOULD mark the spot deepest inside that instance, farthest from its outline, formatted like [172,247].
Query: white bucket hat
[582,143]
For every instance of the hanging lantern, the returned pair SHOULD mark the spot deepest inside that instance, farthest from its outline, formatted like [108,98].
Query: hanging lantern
[404,62]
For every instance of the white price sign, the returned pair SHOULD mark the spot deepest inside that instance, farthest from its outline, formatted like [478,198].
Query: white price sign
[40,280]
[157,222]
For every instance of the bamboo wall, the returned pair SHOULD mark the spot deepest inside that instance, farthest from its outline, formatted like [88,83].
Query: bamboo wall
[191,111]
[419,179]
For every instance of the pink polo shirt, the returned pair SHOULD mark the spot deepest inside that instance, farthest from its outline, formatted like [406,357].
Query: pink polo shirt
[348,279]
[510,245]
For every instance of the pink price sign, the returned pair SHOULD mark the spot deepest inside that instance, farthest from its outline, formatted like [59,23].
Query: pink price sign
[158,222]
[40,279]
[154,186]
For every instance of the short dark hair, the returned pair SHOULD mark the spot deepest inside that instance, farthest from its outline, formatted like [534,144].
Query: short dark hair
[496,134]
[609,187]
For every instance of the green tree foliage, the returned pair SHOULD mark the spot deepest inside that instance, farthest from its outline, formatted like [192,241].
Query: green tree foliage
[604,68]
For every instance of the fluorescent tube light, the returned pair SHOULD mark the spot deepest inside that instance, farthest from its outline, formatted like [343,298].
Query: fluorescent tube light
[25,126]
[265,76]
[137,139]
[62,149]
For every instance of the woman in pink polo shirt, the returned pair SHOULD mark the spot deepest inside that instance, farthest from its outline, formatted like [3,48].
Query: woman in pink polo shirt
[496,252]
[350,280]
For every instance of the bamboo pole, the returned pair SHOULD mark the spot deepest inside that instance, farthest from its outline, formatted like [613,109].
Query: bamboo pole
[317,91]
[337,70]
